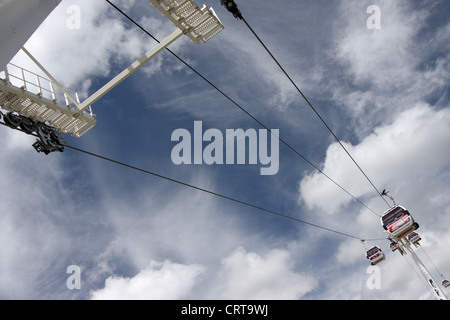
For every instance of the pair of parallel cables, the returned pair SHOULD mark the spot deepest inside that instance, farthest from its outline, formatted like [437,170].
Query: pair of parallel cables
[255,119]
[198,188]
[260,123]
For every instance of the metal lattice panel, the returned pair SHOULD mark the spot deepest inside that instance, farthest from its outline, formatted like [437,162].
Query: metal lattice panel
[62,117]
[198,24]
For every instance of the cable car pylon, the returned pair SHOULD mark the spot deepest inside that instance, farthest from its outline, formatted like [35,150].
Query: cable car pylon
[400,225]
[445,283]
[39,109]
[439,294]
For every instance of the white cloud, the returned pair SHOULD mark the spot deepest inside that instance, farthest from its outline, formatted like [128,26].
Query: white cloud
[390,69]
[38,220]
[103,42]
[15,141]
[160,281]
[248,275]
[377,56]
[350,251]
[413,146]
[243,275]
[55,222]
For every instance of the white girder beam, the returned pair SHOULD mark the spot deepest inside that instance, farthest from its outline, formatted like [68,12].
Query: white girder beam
[54,81]
[130,70]
[39,107]
[200,25]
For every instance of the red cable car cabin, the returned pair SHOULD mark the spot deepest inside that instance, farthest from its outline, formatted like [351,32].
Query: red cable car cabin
[375,255]
[446,283]
[394,246]
[398,222]
[414,238]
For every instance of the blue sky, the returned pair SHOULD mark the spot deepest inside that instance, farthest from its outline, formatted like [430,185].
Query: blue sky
[383,92]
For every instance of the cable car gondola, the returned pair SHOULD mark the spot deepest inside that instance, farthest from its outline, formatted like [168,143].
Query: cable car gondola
[395,246]
[445,283]
[398,222]
[375,255]
[414,239]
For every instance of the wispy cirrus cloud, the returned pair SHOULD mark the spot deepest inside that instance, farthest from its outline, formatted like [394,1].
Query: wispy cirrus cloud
[413,145]
[138,238]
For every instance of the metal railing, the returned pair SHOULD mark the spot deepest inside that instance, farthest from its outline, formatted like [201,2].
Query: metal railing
[40,99]
[39,85]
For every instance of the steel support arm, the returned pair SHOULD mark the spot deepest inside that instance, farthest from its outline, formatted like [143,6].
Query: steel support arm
[74,101]
[130,70]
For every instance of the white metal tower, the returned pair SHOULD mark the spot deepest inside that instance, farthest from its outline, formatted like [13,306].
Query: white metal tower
[439,294]
[24,92]
[63,111]
[19,19]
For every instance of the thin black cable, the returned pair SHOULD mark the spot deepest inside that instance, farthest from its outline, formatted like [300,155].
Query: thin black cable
[437,270]
[415,271]
[216,194]
[200,189]
[240,107]
[314,109]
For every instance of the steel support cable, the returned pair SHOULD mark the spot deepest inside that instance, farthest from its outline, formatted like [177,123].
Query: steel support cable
[437,270]
[417,274]
[204,190]
[241,108]
[212,192]
[314,109]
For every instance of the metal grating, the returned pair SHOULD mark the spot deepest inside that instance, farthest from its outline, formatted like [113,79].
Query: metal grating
[32,101]
[198,24]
